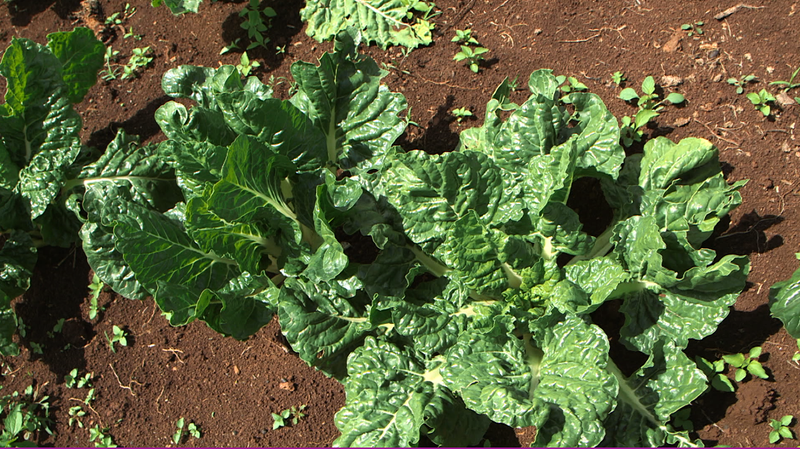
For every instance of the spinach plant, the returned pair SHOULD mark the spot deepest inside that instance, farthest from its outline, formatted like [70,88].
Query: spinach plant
[40,149]
[475,303]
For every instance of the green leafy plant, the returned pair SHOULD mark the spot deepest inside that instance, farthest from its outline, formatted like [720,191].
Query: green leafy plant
[39,151]
[682,420]
[24,417]
[140,59]
[465,37]
[257,22]
[192,429]
[118,335]
[120,17]
[743,364]
[95,288]
[477,305]
[618,78]
[100,437]
[780,429]
[572,84]
[741,82]
[789,85]
[387,23]
[178,6]
[715,372]
[650,104]
[74,380]
[76,414]
[246,66]
[110,57]
[472,57]
[760,101]
[290,415]
[461,113]
[693,28]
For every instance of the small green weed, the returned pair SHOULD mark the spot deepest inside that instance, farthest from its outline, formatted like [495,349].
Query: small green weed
[119,335]
[119,18]
[714,371]
[789,85]
[292,415]
[465,37]
[760,101]
[681,419]
[95,288]
[693,29]
[36,348]
[246,66]
[572,84]
[100,437]
[650,104]
[741,82]
[74,380]
[141,58]
[192,429]
[462,113]
[618,78]
[257,23]
[796,356]
[75,415]
[110,73]
[24,417]
[780,429]
[472,57]
[744,364]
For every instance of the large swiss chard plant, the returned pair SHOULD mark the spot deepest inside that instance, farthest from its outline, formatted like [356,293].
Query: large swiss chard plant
[40,151]
[476,300]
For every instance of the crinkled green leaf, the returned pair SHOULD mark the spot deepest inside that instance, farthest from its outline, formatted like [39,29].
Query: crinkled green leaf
[385,22]
[243,306]
[81,57]
[360,117]
[784,303]
[179,6]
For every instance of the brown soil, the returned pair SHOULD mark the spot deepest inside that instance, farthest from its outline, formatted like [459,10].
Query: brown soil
[229,388]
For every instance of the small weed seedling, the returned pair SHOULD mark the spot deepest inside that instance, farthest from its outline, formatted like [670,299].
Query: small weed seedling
[257,23]
[650,104]
[572,84]
[74,380]
[293,415]
[140,59]
[110,73]
[75,415]
[796,356]
[24,416]
[471,56]
[100,437]
[744,364]
[681,420]
[693,29]
[789,85]
[246,66]
[462,113]
[95,288]
[465,37]
[618,78]
[780,429]
[192,429]
[714,371]
[760,101]
[118,336]
[119,18]
[741,82]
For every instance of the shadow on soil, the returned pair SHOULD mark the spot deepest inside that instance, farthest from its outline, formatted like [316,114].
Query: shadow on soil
[437,137]
[141,124]
[747,236]
[22,12]
[47,302]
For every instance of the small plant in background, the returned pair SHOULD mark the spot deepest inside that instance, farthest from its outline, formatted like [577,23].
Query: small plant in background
[292,415]
[681,420]
[100,437]
[789,85]
[780,429]
[257,23]
[465,37]
[760,101]
[95,288]
[74,380]
[572,84]
[119,18]
[744,364]
[24,417]
[796,356]
[741,82]
[140,59]
[246,66]
[650,104]
[471,56]
[693,29]
[75,414]
[618,78]
[110,73]
[462,113]
[192,429]
[119,335]
[714,371]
